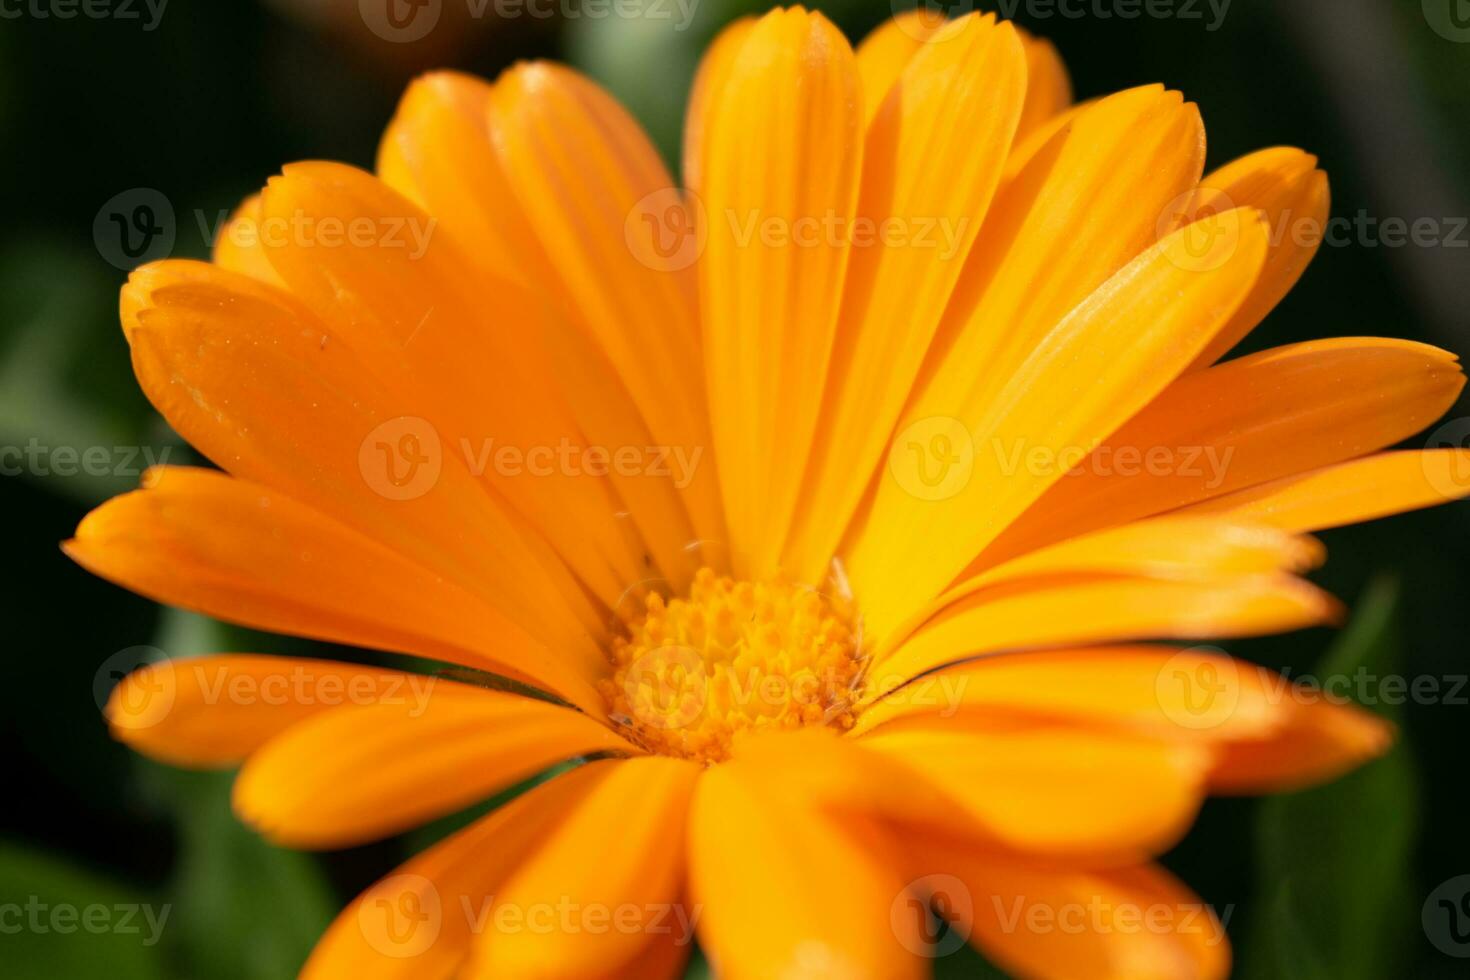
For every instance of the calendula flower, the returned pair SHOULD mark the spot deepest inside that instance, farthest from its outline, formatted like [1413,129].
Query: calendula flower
[808,509]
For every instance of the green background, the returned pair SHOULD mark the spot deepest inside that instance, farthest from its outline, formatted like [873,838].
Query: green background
[204,107]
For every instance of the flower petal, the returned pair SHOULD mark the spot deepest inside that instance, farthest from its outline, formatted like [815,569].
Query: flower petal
[1161,692]
[262,387]
[953,109]
[240,552]
[1134,923]
[405,303]
[582,171]
[358,773]
[1284,183]
[883,55]
[1242,423]
[618,898]
[1100,365]
[419,921]
[213,711]
[779,177]
[786,890]
[1320,741]
[1071,610]
[1104,799]
[1349,493]
[1048,86]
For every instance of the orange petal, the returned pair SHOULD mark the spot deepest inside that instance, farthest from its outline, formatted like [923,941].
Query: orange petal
[953,109]
[884,53]
[1161,692]
[245,554]
[238,246]
[1284,183]
[1134,923]
[1349,493]
[1106,360]
[707,90]
[1048,86]
[213,711]
[1239,424]
[419,921]
[589,907]
[786,890]
[1085,609]
[1103,798]
[782,150]
[363,772]
[1320,741]
[584,174]
[405,303]
[273,395]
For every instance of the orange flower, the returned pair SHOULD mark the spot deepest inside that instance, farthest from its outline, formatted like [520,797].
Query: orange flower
[950,345]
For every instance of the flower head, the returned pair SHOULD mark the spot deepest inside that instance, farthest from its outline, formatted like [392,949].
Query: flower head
[816,508]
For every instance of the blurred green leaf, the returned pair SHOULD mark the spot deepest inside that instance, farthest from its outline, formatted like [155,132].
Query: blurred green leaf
[60,921]
[1333,860]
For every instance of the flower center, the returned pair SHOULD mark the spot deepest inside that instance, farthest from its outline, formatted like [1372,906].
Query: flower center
[693,674]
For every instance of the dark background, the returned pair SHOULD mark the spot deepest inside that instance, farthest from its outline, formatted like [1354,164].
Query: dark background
[220,94]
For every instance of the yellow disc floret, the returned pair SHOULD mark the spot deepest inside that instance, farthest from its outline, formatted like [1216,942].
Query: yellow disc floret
[692,674]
